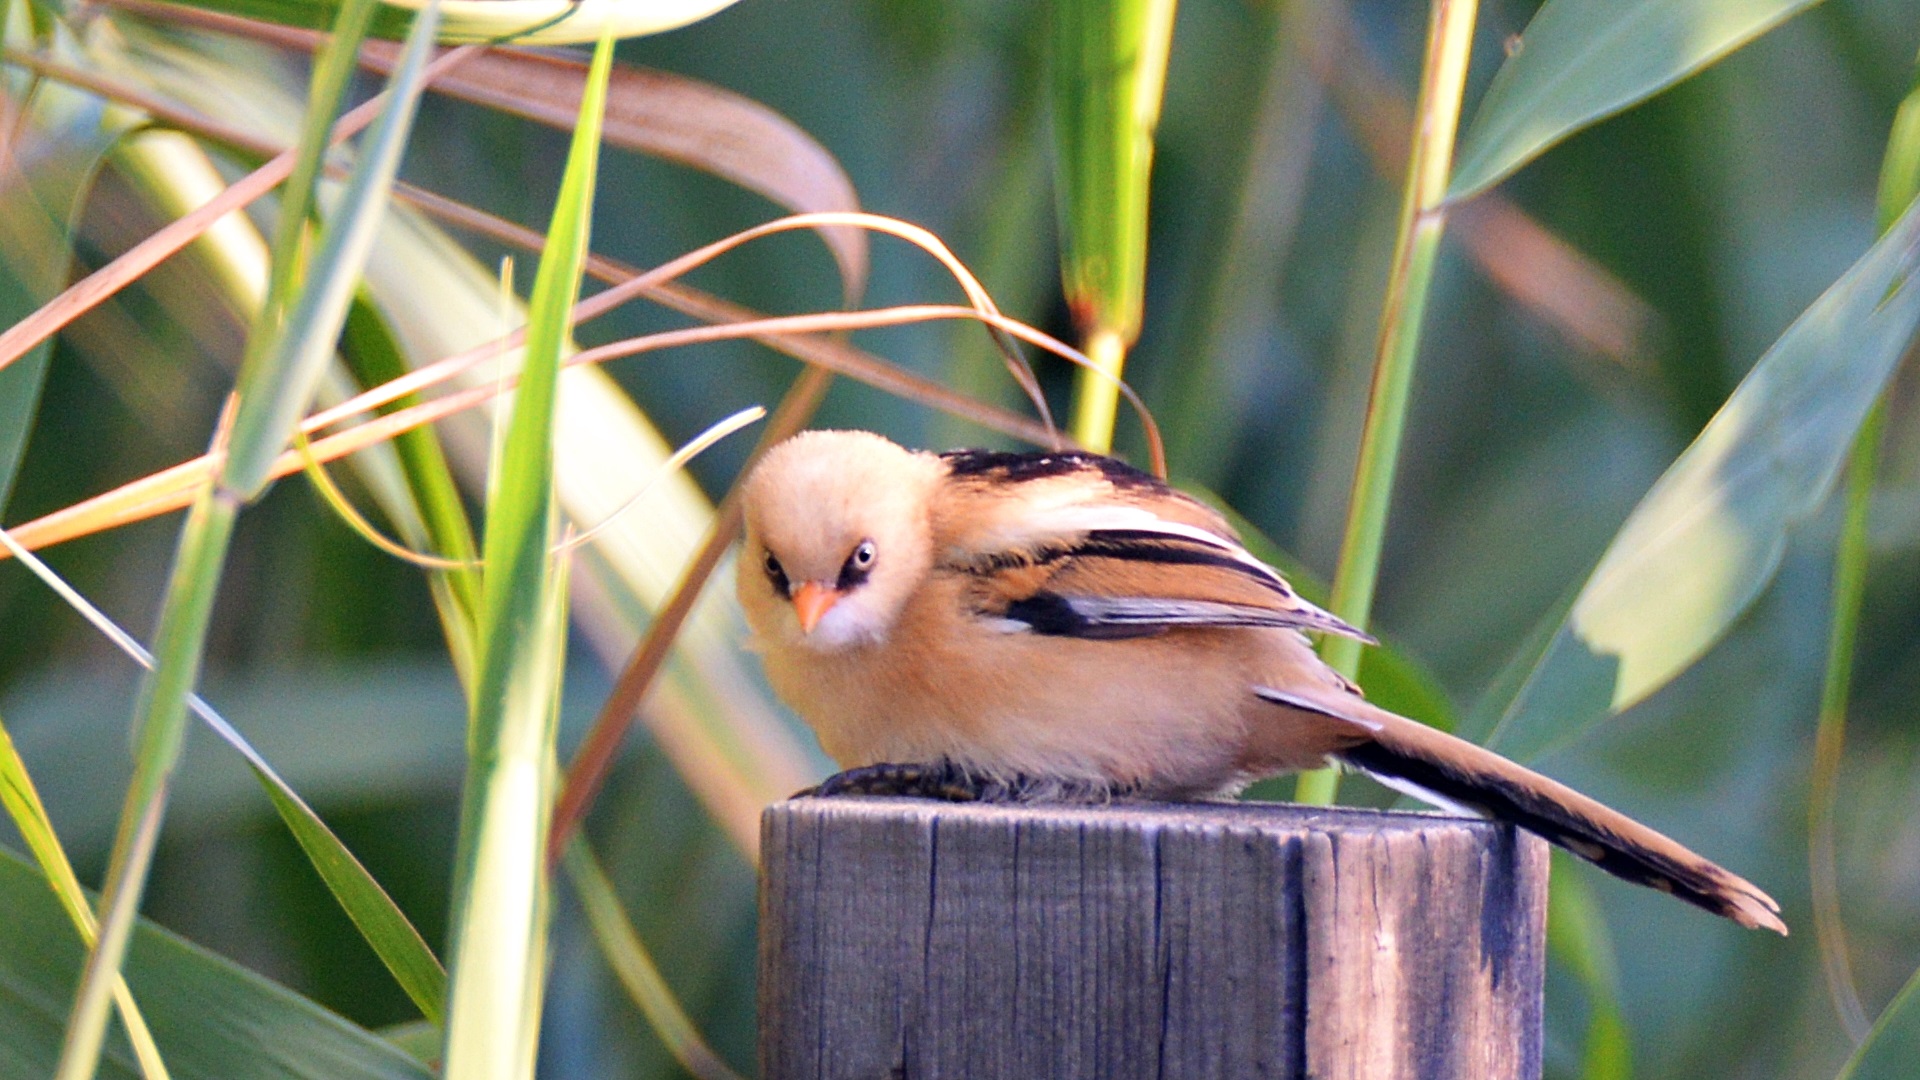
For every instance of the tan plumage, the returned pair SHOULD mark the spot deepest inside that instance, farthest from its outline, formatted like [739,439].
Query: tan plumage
[1042,620]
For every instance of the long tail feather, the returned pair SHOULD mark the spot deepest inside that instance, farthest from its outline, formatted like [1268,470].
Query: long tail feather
[1450,772]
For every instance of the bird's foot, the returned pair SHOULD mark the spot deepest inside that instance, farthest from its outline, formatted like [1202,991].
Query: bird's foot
[950,782]
[935,780]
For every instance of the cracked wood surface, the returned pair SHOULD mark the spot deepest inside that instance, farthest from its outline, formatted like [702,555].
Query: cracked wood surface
[905,938]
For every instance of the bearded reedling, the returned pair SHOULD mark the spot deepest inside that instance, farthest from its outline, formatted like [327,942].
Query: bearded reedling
[991,625]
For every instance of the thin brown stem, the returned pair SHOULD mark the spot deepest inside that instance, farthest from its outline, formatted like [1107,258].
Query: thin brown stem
[594,759]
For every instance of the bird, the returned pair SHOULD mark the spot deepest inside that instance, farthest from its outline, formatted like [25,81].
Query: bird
[983,624]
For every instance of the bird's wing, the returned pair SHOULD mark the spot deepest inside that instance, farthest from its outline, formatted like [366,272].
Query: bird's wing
[1081,546]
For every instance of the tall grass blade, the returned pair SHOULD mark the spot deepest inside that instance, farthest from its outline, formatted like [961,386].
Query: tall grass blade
[1108,66]
[1708,536]
[1580,61]
[159,729]
[503,893]
[241,263]
[305,345]
[29,815]
[501,886]
[273,384]
[333,66]
[1422,222]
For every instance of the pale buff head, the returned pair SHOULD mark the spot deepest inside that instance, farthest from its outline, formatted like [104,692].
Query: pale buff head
[837,538]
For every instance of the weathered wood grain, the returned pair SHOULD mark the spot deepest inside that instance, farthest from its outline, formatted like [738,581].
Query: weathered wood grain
[903,938]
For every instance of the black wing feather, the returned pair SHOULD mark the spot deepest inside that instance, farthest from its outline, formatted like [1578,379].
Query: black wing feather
[1119,617]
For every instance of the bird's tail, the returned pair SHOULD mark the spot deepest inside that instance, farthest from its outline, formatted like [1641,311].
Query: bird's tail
[1438,768]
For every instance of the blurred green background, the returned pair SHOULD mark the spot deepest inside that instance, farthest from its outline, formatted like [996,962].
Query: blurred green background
[1706,220]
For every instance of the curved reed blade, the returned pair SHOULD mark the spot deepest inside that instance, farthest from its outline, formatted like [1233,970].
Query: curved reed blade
[651,112]
[1580,61]
[1709,535]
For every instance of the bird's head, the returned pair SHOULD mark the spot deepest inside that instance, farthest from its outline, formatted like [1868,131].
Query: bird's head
[837,537]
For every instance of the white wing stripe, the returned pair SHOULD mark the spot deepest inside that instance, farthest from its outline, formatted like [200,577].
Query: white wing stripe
[1072,522]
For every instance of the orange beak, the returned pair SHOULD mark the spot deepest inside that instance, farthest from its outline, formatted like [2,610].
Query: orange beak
[812,600]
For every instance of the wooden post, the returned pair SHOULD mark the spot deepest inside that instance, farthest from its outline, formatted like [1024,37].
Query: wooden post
[905,938]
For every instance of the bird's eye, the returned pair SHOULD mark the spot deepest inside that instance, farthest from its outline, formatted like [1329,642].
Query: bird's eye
[775,572]
[854,572]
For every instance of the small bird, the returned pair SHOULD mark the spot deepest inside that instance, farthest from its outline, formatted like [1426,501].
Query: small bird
[979,624]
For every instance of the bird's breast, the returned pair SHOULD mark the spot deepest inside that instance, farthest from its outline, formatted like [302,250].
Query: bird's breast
[1169,713]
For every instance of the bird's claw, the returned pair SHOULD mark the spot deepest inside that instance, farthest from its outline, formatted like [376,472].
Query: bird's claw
[948,782]
[941,780]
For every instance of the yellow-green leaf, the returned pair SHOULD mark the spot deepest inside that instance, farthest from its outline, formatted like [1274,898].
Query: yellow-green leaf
[1708,537]
[501,889]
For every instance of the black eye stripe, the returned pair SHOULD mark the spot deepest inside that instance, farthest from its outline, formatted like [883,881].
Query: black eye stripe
[859,564]
[777,574]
